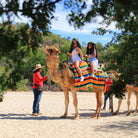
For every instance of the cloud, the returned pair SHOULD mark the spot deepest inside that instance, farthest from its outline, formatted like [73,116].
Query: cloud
[61,23]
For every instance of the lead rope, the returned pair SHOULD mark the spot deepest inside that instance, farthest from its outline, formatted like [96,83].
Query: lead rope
[49,78]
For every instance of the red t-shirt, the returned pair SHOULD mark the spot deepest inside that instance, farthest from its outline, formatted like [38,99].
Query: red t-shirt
[109,82]
[37,79]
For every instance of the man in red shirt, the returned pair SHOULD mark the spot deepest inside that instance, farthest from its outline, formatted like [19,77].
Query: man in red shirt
[37,81]
[109,82]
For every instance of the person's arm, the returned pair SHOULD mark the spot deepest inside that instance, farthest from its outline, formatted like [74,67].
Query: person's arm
[39,78]
[70,54]
[45,78]
[85,55]
[80,52]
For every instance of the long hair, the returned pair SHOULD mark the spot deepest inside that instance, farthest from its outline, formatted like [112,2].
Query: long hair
[71,48]
[91,50]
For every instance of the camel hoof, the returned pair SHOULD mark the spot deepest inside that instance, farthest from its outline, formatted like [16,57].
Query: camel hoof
[63,116]
[93,116]
[98,117]
[128,114]
[76,118]
[115,113]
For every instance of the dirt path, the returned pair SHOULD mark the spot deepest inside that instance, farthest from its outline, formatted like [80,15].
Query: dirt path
[16,120]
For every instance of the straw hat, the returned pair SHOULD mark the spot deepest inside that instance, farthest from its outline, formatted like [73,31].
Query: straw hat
[38,66]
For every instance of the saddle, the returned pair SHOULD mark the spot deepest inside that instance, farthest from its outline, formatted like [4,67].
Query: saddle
[97,81]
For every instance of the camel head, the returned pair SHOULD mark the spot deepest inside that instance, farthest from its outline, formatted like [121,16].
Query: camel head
[115,74]
[51,51]
[52,56]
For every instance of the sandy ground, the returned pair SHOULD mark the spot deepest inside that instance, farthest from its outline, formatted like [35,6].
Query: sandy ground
[16,120]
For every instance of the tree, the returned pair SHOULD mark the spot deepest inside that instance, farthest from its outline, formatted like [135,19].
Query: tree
[125,14]
[15,43]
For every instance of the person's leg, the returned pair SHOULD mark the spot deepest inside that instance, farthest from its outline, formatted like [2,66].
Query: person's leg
[79,70]
[35,102]
[77,67]
[109,102]
[39,98]
[92,67]
[105,99]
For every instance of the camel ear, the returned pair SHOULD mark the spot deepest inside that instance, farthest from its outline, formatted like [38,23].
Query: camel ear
[46,49]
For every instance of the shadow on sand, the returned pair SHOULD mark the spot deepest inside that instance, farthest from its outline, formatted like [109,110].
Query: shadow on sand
[129,128]
[83,113]
[30,117]
[104,113]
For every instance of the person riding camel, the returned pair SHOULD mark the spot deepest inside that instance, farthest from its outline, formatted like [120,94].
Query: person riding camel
[74,52]
[92,54]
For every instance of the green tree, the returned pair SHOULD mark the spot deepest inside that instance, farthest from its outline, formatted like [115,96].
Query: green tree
[125,14]
[15,44]
[101,52]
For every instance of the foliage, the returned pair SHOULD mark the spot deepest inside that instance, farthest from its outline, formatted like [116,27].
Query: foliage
[21,85]
[90,89]
[16,42]
[40,12]
[124,13]
[17,64]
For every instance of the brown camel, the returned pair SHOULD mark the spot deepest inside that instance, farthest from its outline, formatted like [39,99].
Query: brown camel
[129,89]
[65,79]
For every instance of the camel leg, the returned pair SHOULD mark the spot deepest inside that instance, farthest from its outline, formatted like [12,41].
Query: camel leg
[100,101]
[75,102]
[128,101]
[119,104]
[66,94]
[94,116]
[136,103]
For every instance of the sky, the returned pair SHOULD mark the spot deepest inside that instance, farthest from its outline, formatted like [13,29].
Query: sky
[60,26]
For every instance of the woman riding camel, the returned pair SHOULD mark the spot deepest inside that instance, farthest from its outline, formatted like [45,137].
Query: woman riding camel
[74,52]
[92,54]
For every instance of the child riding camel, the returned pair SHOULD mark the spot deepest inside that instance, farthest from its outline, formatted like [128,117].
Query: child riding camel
[92,54]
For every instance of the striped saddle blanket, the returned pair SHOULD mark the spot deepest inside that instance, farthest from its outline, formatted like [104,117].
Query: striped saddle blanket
[97,81]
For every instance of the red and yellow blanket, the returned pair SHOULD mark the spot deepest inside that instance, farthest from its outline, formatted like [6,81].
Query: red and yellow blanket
[96,82]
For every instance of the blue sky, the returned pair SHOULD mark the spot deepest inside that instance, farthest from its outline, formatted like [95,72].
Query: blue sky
[60,26]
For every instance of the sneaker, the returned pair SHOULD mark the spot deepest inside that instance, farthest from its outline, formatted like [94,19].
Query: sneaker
[82,78]
[104,108]
[39,113]
[35,114]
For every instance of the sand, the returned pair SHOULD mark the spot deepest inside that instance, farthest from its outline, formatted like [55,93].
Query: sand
[16,120]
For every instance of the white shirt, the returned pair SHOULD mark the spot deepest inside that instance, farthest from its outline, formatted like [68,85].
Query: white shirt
[75,55]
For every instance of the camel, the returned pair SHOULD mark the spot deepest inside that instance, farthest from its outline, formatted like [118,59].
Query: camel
[65,79]
[130,89]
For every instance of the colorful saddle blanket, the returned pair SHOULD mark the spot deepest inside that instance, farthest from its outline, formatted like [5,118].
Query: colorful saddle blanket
[97,81]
